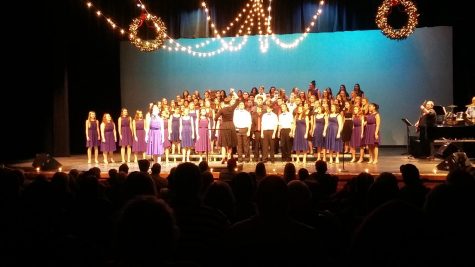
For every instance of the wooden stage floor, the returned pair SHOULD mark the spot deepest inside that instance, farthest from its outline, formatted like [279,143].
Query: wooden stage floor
[390,160]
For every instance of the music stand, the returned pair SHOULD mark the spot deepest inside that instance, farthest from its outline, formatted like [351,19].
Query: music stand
[408,124]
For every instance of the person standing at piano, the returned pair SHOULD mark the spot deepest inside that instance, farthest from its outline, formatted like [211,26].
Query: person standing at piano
[426,123]
[471,110]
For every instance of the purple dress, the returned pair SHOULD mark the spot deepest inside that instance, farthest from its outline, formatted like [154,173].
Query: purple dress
[356,140]
[109,144]
[126,132]
[175,134]
[333,143]
[300,143]
[318,139]
[92,133]
[203,144]
[166,142]
[370,130]
[186,140]
[155,144]
[140,145]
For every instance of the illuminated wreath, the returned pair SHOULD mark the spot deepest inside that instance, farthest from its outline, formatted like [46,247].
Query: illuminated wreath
[148,45]
[382,19]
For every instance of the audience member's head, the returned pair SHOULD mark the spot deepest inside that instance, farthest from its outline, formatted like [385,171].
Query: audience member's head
[320,166]
[124,168]
[410,174]
[272,197]
[144,165]
[112,173]
[290,173]
[60,183]
[303,174]
[260,170]
[146,232]
[220,197]
[300,195]
[96,172]
[74,173]
[156,169]
[232,164]
[384,189]
[137,184]
[186,183]
[203,165]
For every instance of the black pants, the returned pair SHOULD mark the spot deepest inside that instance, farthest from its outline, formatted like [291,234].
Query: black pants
[268,145]
[285,145]
[257,145]
[242,144]
[427,142]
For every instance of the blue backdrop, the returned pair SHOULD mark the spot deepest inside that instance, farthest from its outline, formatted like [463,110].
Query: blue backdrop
[398,75]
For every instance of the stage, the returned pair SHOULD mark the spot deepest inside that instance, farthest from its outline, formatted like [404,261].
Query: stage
[389,161]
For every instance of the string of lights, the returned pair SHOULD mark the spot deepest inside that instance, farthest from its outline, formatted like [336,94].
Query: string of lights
[248,21]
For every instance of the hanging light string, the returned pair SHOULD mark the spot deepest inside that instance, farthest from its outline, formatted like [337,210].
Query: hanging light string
[254,14]
[298,40]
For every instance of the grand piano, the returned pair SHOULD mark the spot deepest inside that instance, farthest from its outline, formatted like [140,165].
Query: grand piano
[454,132]
[460,135]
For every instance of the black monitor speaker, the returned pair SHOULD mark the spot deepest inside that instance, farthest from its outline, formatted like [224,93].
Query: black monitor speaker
[454,161]
[46,162]
[446,150]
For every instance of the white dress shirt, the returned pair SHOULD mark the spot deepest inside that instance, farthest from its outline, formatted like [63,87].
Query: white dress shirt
[242,119]
[269,121]
[285,120]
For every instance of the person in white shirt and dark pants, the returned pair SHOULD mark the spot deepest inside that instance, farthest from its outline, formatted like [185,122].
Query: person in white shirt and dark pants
[285,125]
[268,131]
[242,122]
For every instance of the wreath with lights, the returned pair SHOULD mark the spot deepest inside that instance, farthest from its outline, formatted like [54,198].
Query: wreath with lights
[382,19]
[148,45]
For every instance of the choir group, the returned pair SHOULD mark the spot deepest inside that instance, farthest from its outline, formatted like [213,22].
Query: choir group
[313,121]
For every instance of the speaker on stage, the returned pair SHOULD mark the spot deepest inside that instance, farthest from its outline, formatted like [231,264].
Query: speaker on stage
[454,161]
[446,150]
[46,162]
[415,147]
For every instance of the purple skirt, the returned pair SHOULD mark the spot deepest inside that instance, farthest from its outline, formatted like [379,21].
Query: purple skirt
[155,144]
[109,144]
[126,139]
[140,145]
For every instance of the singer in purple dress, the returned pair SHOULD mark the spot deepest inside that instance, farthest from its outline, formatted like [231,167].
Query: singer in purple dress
[93,136]
[174,128]
[108,137]
[203,143]
[187,134]
[371,136]
[357,134]
[154,135]
[318,126]
[332,132]
[300,132]
[125,134]
[138,129]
